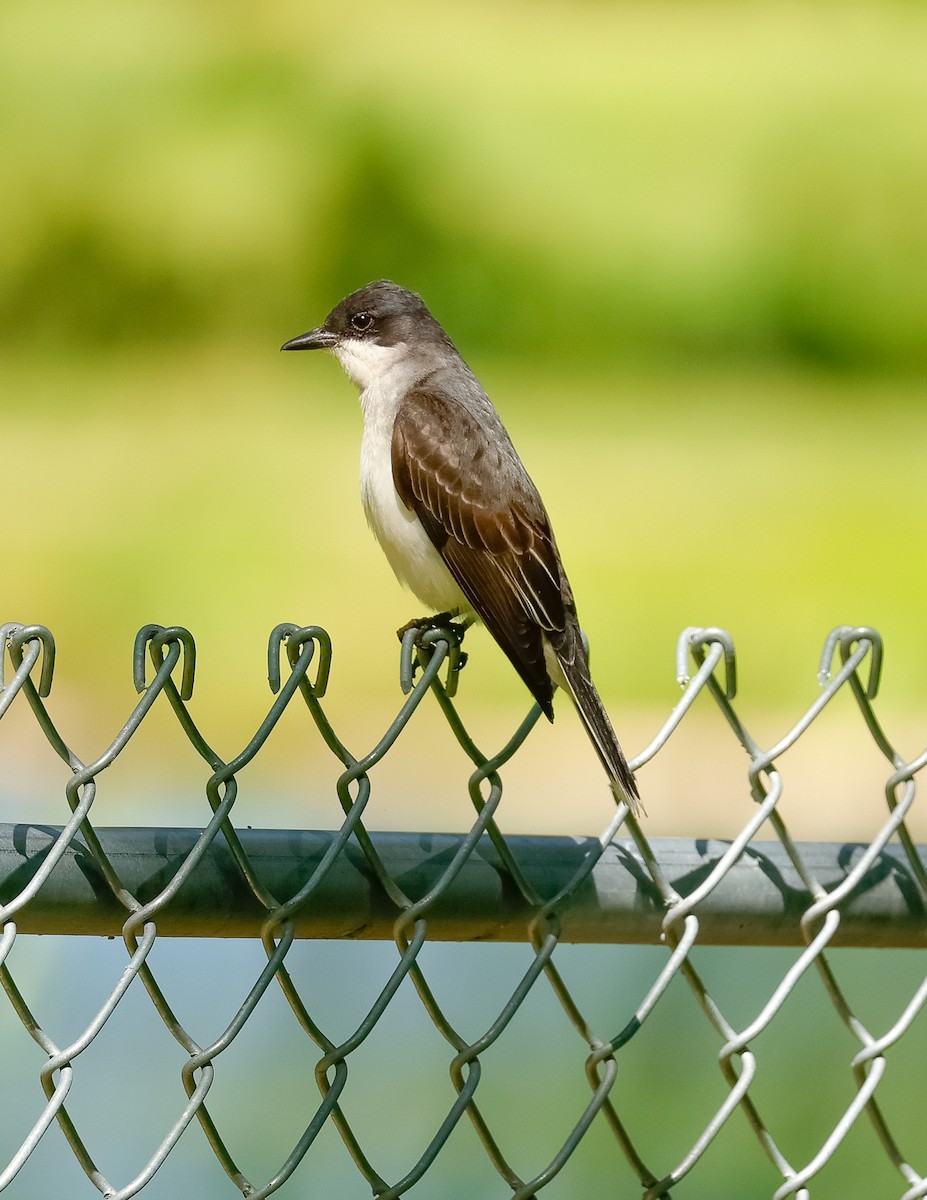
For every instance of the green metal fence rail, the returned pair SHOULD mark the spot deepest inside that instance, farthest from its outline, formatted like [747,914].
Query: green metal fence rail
[282,886]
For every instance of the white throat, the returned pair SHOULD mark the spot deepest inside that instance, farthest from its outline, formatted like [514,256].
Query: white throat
[367,363]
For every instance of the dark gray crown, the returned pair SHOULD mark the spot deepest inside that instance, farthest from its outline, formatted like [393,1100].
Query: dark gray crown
[385,313]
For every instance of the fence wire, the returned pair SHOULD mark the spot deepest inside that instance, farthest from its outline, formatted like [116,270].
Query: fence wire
[298,668]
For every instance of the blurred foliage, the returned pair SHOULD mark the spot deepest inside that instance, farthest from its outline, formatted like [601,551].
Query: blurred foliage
[714,179]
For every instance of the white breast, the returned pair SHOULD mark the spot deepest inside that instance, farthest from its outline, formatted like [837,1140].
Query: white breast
[405,543]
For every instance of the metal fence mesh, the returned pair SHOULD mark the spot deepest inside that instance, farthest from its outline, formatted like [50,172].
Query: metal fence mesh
[298,668]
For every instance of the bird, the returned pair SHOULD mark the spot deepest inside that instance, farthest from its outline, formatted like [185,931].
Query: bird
[452,506]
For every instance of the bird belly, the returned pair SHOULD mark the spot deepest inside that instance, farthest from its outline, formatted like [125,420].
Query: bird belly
[408,548]
[411,554]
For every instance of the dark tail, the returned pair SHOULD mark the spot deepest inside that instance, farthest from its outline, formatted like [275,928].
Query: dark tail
[592,713]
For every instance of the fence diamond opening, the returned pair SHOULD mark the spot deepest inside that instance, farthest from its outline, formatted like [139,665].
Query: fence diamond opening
[283,886]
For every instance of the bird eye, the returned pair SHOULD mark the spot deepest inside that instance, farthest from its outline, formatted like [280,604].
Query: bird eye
[361,321]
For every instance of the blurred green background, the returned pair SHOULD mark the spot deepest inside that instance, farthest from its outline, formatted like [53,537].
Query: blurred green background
[684,247]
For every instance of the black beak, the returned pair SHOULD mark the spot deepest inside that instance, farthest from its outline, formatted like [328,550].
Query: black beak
[315,339]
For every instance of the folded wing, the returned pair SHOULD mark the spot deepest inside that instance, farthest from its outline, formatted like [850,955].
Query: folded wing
[484,516]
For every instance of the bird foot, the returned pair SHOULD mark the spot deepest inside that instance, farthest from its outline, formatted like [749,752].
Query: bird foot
[442,620]
[414,636]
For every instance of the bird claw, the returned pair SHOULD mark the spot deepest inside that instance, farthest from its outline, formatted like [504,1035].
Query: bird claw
[442,620]
[421,635]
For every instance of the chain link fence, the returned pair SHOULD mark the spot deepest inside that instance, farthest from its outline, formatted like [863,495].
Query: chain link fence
[284,886]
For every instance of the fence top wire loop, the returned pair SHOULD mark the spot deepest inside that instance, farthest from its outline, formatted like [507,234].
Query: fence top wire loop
[420,639]
[847,638]
[40,641]
[696,641]
[296,639]
[157,638]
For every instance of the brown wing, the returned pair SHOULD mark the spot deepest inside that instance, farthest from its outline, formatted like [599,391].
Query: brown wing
[467,486]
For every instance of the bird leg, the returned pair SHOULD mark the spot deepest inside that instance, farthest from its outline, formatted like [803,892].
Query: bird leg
[444,620]
[412,637]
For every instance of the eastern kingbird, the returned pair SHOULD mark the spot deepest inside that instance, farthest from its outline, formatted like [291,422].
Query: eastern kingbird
[448,499]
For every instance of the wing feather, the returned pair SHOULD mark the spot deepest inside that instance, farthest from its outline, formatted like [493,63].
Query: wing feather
[483,514]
